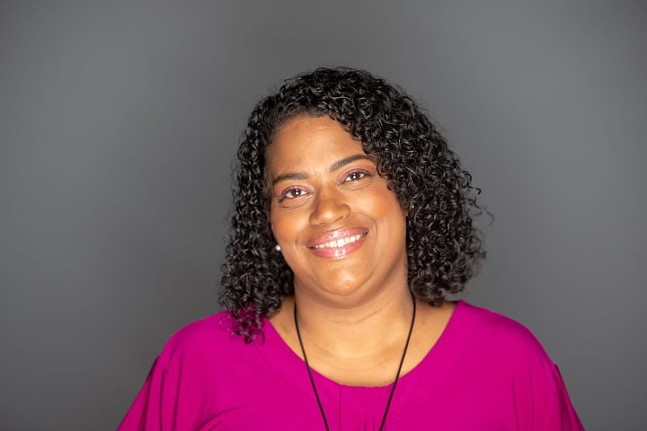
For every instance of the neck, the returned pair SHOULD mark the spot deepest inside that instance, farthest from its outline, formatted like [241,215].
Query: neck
[355,331]
[395,382]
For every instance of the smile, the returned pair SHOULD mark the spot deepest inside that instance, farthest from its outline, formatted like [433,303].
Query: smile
[340,242]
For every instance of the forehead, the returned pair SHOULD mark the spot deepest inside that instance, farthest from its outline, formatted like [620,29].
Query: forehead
[310,141]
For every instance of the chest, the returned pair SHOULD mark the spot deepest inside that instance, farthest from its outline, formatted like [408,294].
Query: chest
[278,402]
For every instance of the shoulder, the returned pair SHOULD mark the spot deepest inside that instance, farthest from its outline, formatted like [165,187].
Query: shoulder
[505,348]
[511,363]
[502,335]
[196,376]
[204,338]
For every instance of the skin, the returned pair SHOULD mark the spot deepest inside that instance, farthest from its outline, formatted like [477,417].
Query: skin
[354,306]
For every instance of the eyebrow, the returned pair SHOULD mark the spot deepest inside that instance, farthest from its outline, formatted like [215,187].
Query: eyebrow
[343,162]
[335,166]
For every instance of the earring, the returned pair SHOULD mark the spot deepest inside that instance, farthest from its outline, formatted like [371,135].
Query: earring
[277,247]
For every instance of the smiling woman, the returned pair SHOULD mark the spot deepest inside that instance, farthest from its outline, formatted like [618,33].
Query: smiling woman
[353,221]
[340,228]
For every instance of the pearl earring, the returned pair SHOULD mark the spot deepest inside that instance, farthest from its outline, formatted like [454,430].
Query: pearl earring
[277,247]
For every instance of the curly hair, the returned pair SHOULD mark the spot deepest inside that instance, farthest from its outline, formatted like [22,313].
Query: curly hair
[443,245]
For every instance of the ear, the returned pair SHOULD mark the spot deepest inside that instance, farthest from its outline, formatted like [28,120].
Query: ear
[405,210]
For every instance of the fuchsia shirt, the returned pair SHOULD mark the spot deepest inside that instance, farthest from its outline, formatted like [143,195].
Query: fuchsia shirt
[486,372]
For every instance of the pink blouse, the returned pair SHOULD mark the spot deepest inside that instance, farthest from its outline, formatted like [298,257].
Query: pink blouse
[486,372]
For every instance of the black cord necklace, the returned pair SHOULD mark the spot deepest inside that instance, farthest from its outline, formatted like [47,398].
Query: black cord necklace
[395,382]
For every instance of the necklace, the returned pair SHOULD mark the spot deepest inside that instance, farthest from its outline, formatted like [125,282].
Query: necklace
[395,382]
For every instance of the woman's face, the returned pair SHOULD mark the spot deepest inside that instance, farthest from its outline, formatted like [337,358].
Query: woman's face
[341,230]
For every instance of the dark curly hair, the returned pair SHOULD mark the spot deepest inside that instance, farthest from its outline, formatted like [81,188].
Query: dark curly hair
[443,246]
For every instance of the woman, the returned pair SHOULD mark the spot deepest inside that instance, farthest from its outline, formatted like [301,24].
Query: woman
[352,222]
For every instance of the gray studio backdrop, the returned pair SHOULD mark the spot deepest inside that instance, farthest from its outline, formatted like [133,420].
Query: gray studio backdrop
[119,121]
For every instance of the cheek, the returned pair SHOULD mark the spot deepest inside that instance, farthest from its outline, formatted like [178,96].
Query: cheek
[286,227]
[384,205]
[276,226]
[391,215]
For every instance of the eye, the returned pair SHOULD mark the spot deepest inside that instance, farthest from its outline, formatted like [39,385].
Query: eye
[292,193]
[355,175]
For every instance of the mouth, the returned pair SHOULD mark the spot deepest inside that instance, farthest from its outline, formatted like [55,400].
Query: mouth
[338,243]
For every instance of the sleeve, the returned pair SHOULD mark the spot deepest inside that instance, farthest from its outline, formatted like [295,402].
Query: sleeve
[155,406]
[542,400]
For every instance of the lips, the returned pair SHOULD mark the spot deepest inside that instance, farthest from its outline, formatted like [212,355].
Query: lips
[338,243]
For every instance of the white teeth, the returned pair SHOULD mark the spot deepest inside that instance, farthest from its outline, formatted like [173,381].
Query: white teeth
[340,242]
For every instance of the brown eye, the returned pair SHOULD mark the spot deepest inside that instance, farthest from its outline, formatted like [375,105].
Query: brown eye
[292,193]
[355,175]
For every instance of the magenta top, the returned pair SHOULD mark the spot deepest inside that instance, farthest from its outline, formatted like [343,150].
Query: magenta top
[486,372]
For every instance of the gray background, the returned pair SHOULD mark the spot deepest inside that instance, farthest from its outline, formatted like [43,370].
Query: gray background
[119,121]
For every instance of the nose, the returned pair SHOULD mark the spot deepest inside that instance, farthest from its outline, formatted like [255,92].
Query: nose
[328,208]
